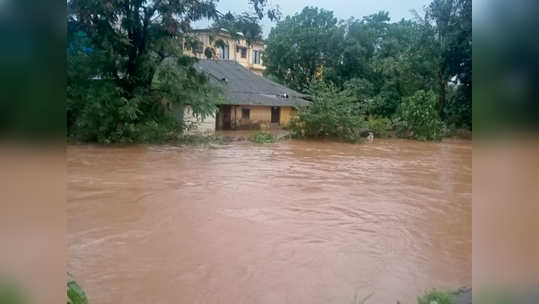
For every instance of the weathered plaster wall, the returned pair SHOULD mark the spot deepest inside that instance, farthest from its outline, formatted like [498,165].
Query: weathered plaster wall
[260,115]
[286,114]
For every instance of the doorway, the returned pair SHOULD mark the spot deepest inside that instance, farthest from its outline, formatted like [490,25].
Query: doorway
[275,114]
[226,116]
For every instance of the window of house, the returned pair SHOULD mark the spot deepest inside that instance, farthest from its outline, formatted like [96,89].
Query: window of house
[256,57]
[198,48]
[245,113]
[243,52]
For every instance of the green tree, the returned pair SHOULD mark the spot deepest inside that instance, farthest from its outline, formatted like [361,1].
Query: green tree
[304,47]
[384,62]
[418,117]
[244,23]
[362,43]
[449,24]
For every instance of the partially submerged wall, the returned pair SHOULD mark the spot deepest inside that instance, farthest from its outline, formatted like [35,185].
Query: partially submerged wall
[196,125]
[260,116]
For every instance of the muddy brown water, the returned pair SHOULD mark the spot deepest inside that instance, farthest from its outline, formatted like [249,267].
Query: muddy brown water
[291,222]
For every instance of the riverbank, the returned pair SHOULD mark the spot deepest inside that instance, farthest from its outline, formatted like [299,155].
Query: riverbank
[76,295]
[225,137]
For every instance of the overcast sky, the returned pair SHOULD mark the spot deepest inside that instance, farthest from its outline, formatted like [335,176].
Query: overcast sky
[343,9]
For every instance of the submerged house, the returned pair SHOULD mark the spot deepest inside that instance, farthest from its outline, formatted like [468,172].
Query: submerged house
[253,102]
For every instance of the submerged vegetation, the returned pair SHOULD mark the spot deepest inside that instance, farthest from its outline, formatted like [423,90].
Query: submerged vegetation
[75,294]
[261,137]
[332,114]
[418,117]
[438,297]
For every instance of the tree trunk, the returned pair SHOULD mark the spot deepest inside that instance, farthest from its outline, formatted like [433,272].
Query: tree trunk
[442,83]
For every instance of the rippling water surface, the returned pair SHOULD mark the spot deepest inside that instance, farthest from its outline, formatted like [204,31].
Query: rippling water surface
[292,222]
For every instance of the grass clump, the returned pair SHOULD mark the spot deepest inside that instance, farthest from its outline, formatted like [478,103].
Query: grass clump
[436,297]
[75,294]
[261,137]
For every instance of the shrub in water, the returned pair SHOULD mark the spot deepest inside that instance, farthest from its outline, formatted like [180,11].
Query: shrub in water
[437,297]
[75,294]
[332,114]
[417,117]
[262,137]
[379,126]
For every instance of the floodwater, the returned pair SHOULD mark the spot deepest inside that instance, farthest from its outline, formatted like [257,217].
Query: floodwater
[291,222]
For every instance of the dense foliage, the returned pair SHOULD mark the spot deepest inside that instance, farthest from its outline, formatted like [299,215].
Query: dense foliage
[332,114]
[127,77]
[300,46]
[261,137]
[379,126]
[418,117]
[380,63]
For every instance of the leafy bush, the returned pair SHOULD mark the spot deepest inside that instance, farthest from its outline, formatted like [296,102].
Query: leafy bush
[153,132]
[332,114]
[437,297]
[379,125]
[261,137]
[458,111]
[417,117]
[75,294]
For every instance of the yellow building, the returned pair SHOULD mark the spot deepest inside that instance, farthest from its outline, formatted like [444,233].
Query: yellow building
[253,102]
[220,45]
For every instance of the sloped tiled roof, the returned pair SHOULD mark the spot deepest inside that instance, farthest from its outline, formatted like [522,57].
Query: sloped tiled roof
[244,87]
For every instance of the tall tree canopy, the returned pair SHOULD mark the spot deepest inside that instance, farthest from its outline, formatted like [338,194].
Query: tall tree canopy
[301,46]
[449,24]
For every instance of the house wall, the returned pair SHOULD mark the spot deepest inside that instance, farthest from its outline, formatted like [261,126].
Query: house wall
[204,126]
[234,53]
[286,114]
[260,117]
